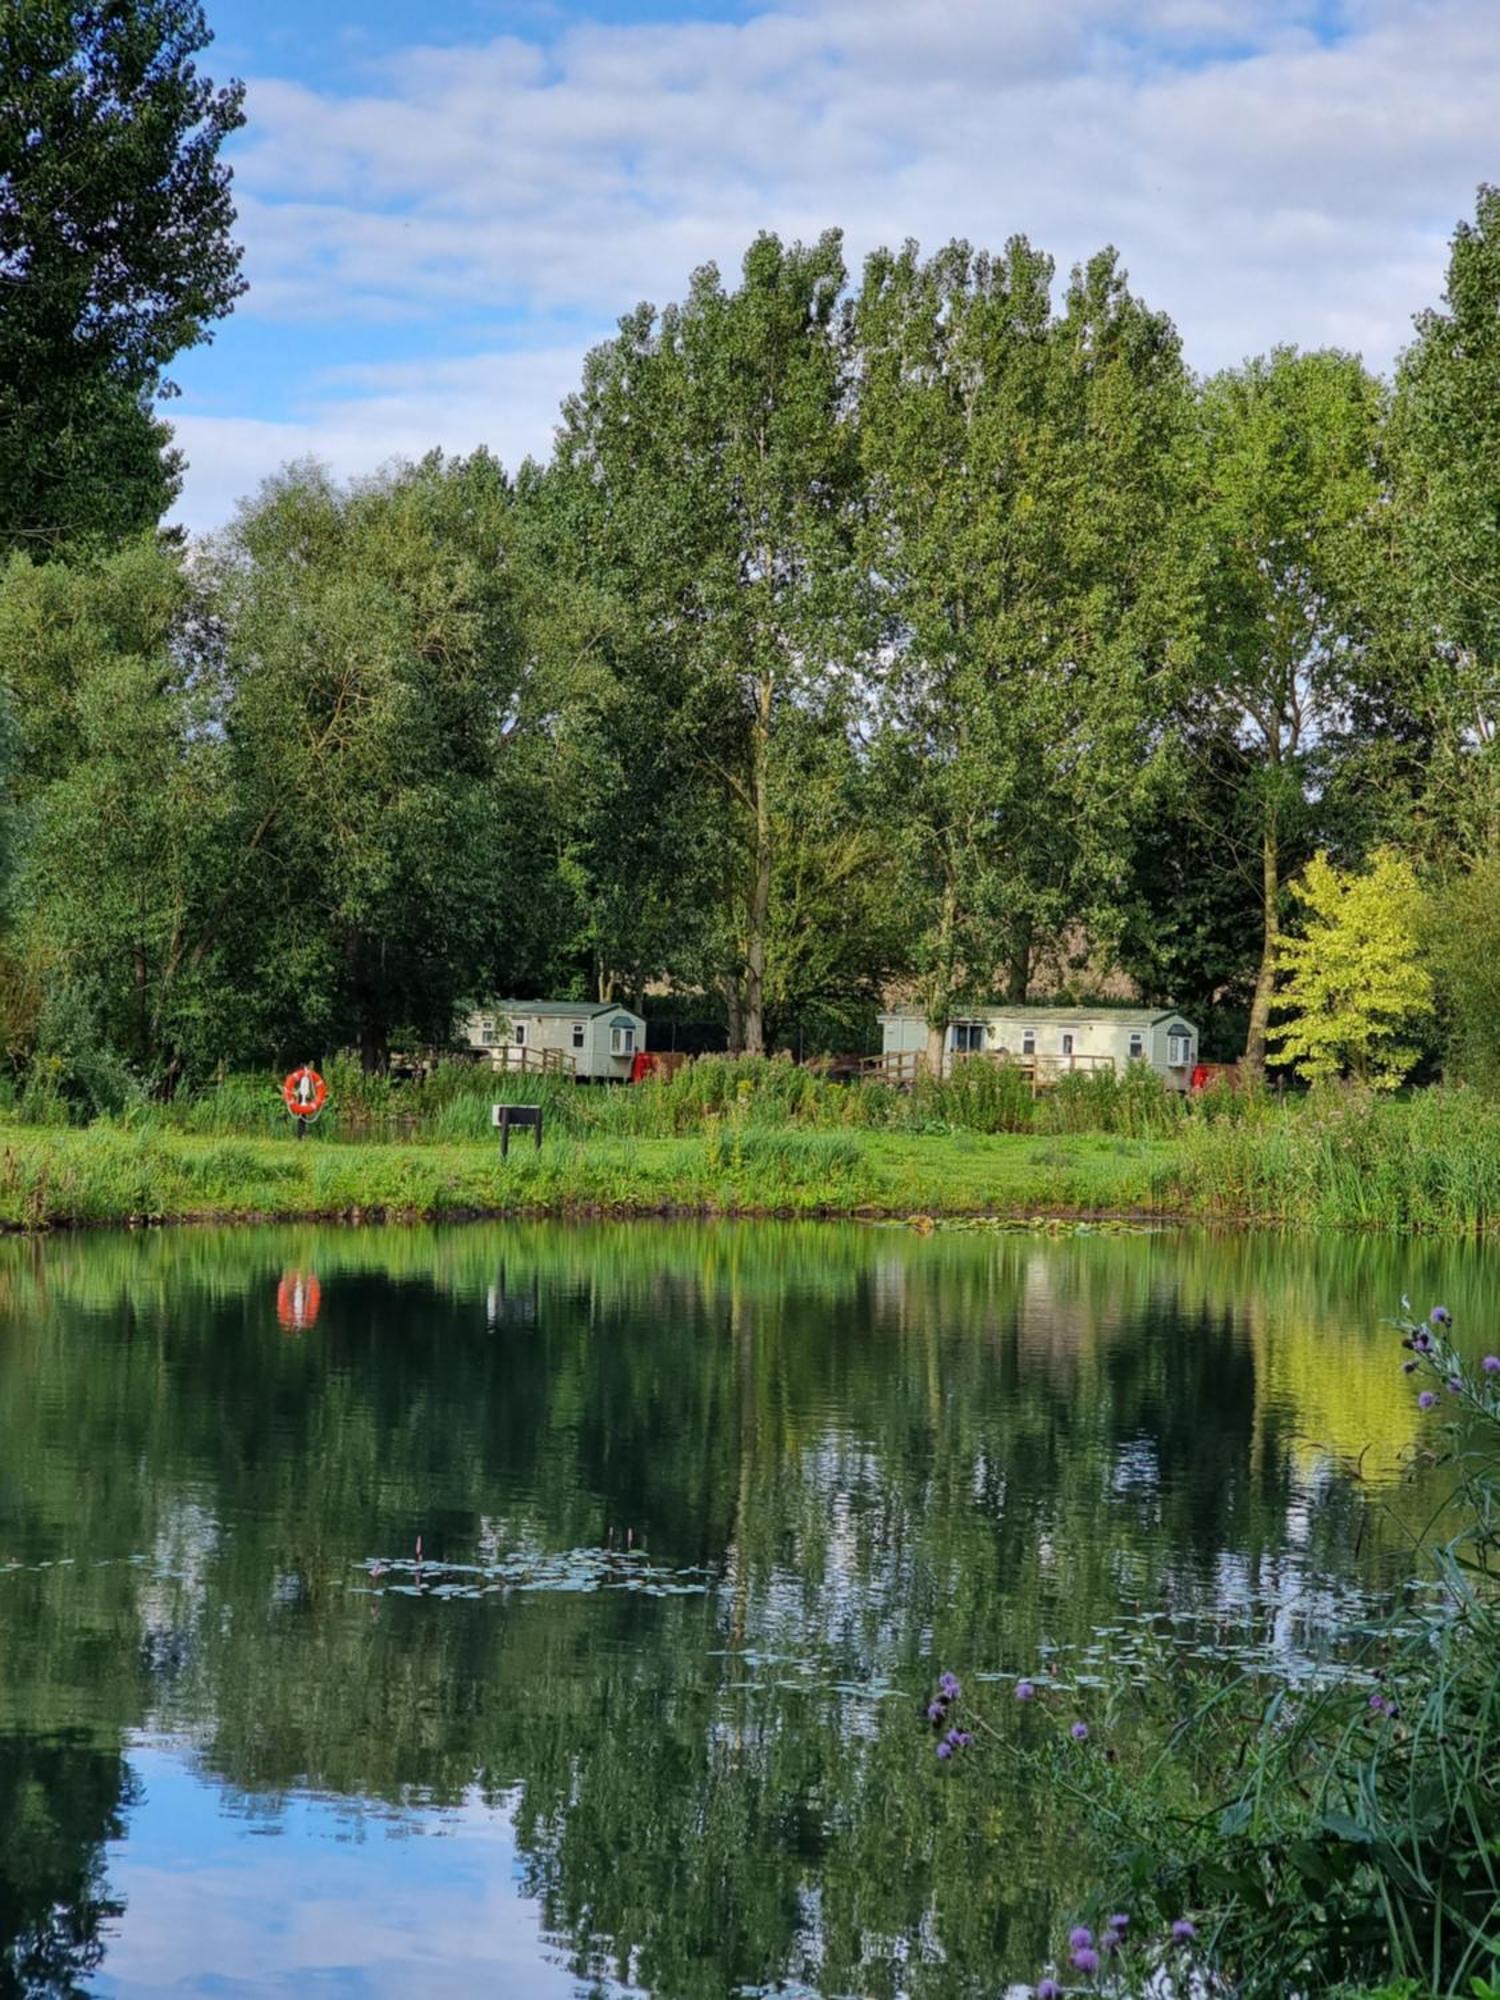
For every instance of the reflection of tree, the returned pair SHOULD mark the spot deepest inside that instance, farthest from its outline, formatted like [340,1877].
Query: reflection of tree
[60,1800]
[883,1450]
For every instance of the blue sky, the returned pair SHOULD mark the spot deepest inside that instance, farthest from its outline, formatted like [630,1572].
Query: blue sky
[443,205]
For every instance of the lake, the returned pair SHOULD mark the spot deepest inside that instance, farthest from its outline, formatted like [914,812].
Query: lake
[547,1611]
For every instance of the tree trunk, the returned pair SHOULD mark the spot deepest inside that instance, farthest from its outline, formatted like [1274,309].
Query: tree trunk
[374,1050]
[1018,967]
[1265,982]
[940,991]
[734,1010]
[760,878]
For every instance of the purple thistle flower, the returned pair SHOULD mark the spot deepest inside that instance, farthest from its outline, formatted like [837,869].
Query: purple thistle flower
[1491,1364]
[1120,1923]
[1048,1989]
[1408,1368]
[1183,1931]
[1440,1316]
[1079,1936]
[936,1711]
[949,1685]
[1423,1343]
[945,1749]
[1085,1960]
[1025,1690]
[1377,1702]
[1079,1732]
[961,1739]
[1455,1385]
[1110,1941]
[1426,1400]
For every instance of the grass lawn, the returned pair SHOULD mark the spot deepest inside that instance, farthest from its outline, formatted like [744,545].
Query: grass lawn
[53,1178]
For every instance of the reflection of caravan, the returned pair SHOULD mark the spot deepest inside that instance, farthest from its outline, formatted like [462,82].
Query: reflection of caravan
[1051,1041]
[581,1038]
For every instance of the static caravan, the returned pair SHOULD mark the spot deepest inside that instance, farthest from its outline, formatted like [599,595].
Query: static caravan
[593,1040]
[1054,1040]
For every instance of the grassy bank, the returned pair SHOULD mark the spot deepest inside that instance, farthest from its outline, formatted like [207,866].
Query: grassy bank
[62,1178]
[772,1141]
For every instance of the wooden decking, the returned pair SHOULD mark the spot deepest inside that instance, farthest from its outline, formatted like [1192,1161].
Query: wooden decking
[523,1060]
[901,1068]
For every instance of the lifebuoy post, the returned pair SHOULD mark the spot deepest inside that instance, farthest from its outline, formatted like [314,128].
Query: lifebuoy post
[504,1116]
[304,1093]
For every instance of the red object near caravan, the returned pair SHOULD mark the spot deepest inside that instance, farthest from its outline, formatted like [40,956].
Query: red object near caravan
[304,1093]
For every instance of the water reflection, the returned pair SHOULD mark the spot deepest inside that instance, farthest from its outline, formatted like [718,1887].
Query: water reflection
[576,1587]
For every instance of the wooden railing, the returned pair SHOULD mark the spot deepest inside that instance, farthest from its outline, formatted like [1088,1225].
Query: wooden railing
[521,1059]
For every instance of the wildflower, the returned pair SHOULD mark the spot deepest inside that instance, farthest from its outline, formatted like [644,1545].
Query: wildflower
[945,1749]
[1377,1702]
[1423,1343]
[1184,1931]
[1455,1384]
[1426,1400]
[1491,1364]
[960,1739]
[1048,1989]
[948,1683]
[1079,1936]
[1086,1960]
[1408,1368]
[1110,1941]
[1025,1690]
[1121,1923]
[936,1712]
[1440,1316]
[1079,1732]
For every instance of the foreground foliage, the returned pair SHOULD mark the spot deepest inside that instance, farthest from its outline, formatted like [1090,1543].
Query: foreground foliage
[1264,1835]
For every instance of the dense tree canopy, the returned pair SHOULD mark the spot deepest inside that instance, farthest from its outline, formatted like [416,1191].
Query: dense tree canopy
[115,254]
[934,635]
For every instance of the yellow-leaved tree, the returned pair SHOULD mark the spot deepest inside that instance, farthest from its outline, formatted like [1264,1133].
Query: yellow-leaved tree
[1354,984]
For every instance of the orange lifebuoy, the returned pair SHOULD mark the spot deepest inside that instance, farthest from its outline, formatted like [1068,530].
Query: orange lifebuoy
[299,1105]
[298,1297]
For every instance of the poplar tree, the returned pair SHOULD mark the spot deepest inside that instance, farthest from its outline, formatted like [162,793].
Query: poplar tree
[1023,525]
[711,464]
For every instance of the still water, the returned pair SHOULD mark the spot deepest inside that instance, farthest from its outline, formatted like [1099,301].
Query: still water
[700,1511]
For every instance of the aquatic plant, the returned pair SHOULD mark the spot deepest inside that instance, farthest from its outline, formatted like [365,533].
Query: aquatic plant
[1304,1840]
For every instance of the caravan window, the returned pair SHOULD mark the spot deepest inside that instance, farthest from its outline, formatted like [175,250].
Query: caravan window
[578,1034]
[1067,1041]
[622,1039]
[487,1031]
[1179,1048]
[518,1034]
[1028,1041]
[966,1038]
[1137,1045]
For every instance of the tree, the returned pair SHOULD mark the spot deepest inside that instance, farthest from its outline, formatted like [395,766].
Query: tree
[1461,933]
[1355,985]
[1444,550]
[123,811]
[384,727]
[1288,475]
[710,469]
[115,254]
[1023,522]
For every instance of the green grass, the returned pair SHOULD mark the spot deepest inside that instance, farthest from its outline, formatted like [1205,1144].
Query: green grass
[768,1139]
[58,1178]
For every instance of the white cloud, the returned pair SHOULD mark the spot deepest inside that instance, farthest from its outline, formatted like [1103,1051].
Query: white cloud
[1262,184]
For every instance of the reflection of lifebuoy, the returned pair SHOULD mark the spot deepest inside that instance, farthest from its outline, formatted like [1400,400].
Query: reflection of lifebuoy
[298,1298]
[304,1093]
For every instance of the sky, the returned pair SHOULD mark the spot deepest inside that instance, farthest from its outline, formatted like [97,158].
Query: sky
[444,205]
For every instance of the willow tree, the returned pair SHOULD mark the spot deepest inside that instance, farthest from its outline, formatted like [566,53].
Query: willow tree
[382,728]
[711,468]
[1288,477]
[1022,523]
